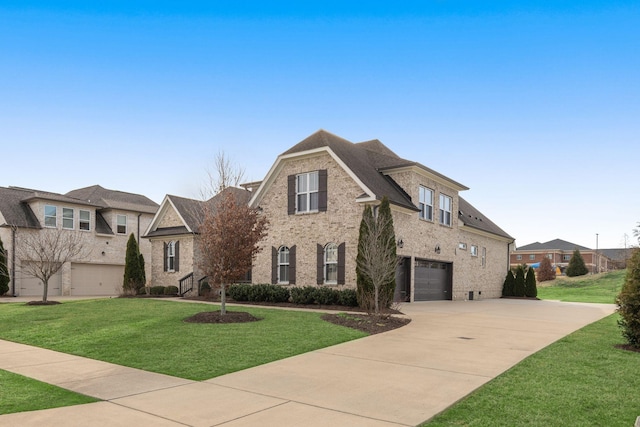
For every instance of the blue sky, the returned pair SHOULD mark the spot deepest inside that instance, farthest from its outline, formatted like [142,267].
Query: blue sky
[533,105]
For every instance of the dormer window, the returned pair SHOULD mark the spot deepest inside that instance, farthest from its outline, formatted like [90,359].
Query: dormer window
[50,216]
[426,204]
[84,220]
[67,218]
[445,210]
[121,225]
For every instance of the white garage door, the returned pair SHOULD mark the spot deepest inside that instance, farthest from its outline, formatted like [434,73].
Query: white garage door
[96,279]
[30,286]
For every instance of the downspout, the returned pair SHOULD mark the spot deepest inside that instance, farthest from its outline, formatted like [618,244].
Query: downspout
[139,231]
[13,260]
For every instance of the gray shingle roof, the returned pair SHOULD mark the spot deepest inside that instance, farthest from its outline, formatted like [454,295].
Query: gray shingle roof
[15,210]
[114,199]
[471,217]
[556,244]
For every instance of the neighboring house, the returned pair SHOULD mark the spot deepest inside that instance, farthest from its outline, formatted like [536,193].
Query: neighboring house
[173,235]
[105,217]
[618,257]
[314,195]
[560,253]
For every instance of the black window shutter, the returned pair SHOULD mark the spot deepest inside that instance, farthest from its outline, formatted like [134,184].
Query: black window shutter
[176,261]
[291,194]
[274,265]
[322,190]
[292,265]
[320,265]
[164,255]
[341,262]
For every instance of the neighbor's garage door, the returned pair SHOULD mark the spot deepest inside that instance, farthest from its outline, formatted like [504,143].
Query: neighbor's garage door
[432,281]
[96,279]
[30,286]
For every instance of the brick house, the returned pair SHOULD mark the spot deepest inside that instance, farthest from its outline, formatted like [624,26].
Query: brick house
[560,252]
[105,218]
[314,196]
[173,235]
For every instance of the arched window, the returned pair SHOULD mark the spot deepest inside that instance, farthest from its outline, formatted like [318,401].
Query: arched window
[331,264]
[171,256]
[283,265]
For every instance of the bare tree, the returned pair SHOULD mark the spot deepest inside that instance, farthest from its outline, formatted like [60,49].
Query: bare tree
[229,237]
[223,174]
[377,260]
[43,253]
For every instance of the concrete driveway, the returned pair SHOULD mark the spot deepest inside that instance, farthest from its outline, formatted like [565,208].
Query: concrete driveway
[400,378]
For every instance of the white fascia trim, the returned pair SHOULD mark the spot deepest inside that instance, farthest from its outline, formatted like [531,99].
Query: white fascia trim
[469,229]
[420,171]
[281,160]
[160,213]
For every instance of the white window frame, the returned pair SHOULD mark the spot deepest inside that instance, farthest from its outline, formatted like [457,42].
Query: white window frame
[566,257]
[532,257]
[171,257]
[82,221]
[462,246]
[519,257]
[446,207]
[65,218]
[550,256]
[474,250]
[118,224]
[283,265]
[426,206]
[331,264]
[307,192]
[49,216]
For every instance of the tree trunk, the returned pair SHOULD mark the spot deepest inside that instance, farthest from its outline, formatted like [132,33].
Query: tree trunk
[223,300]
[45,285]
[376,293]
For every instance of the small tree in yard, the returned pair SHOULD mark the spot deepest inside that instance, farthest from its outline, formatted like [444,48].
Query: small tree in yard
[628,302]
[133,272]
[519,288]
[530,288]
[376,260]
[4,271]
[576,265]
[229,237]
[43,253]
[508,288]
[546,270]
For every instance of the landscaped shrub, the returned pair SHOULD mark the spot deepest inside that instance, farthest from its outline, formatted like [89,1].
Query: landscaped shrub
[4,271]
[530,288]
[325,296]
[157,290]
[576,265]
[519,282]
[171,290]
[509,286]
[628,302]
[303,295]
[239,291]
[348,297]
[205,289]
[277,293]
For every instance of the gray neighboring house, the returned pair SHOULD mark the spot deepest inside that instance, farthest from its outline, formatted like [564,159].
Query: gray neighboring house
[314,195]
[173,236]
[105,218]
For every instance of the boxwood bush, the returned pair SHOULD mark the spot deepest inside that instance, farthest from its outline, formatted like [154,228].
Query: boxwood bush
[171,290]
[157,290]
[348,297]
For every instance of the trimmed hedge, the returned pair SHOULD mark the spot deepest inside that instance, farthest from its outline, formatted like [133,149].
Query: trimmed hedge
[157,290]
[171,290]
[307,295]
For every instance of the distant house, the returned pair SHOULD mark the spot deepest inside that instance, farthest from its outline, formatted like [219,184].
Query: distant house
[560,252]
[105,217]
[173,235]
[314,195]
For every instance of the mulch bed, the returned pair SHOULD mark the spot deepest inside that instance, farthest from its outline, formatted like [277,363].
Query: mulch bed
[216,317]
[44,303]
[628,347]
[368,323]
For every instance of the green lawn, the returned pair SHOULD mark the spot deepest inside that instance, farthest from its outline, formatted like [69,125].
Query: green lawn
[596,288]
[20,394]
[151,334]
[580,380]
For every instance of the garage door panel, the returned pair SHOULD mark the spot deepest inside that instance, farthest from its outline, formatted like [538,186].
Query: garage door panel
[432,281]
[32,286]
[96,279]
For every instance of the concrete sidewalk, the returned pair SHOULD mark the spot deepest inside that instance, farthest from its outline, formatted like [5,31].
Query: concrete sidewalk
[400,378]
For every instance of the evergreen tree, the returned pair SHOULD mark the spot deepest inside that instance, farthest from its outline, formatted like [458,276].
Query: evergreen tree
[546,270]
[376,261]
[144,273]
[508,289]
[133,275]
[519,282]
[530,288]
[628,302]
[4,271]
[576,265]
